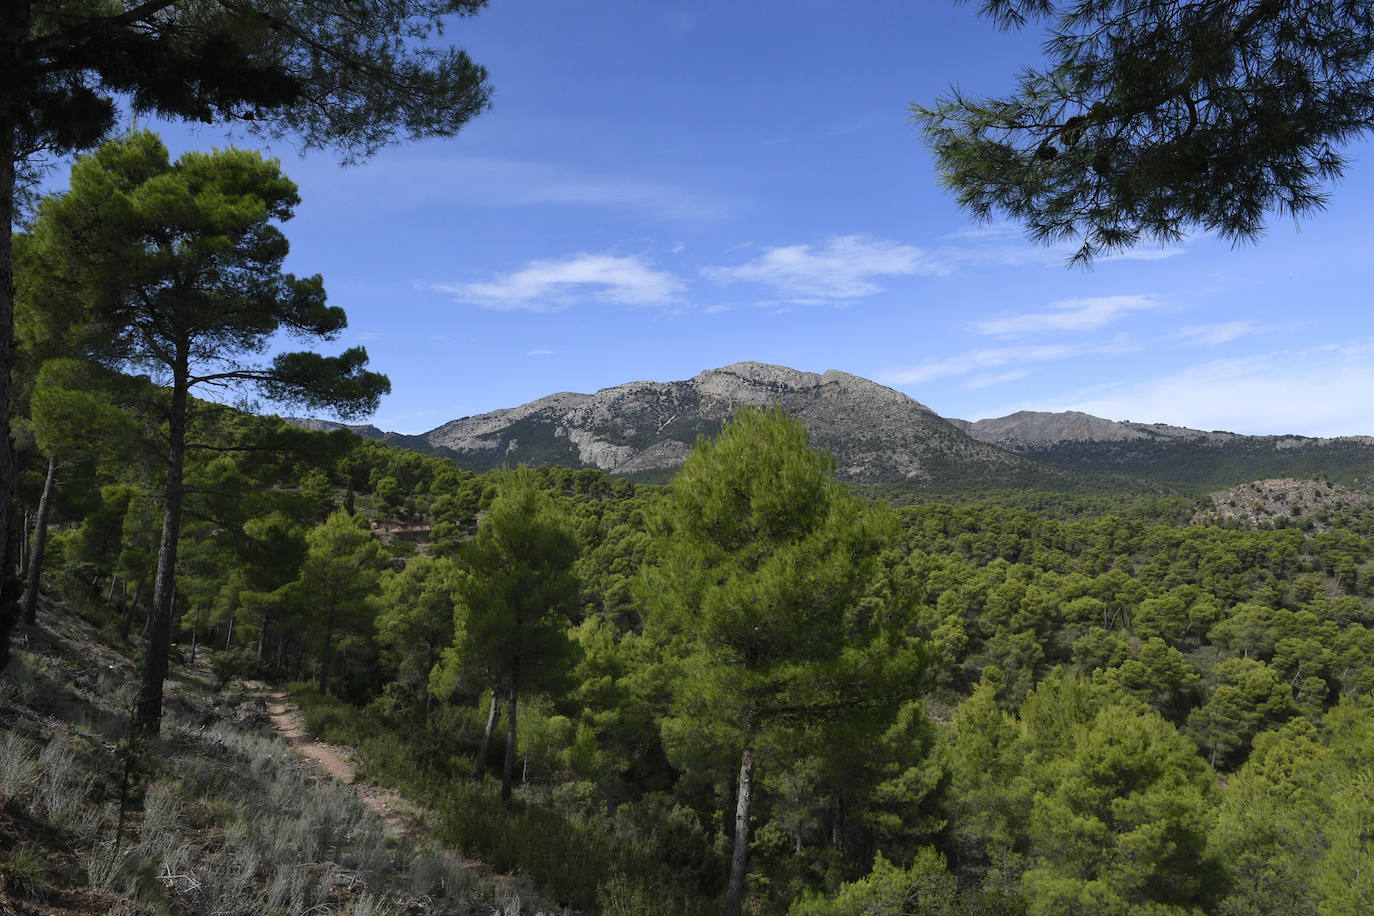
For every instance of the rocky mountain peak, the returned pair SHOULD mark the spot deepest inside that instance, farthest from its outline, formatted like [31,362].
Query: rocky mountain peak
[877,434]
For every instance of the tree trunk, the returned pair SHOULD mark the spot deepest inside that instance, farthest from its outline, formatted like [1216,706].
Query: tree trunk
[324,662]
[39,544]
[132,609]
[8,151]
[195,634]
[739,861]
[148,717]
[229,634]
[486,738]
[508,770]
[23,557]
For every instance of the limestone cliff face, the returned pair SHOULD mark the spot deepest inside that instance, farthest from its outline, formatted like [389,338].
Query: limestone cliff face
[876,434]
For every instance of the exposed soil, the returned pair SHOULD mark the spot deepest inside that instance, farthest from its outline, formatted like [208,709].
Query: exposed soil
[387,805]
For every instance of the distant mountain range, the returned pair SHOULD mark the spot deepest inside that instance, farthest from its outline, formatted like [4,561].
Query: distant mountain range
[877,435]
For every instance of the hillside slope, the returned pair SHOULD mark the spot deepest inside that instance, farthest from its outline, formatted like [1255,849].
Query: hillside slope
[1189,459]
[876,434]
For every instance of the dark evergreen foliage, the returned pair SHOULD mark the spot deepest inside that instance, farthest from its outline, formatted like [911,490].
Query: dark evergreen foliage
[1155,119]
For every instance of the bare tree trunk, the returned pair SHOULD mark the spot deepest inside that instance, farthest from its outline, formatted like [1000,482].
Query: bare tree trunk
[486,737]
[195,634]
[508,770]
[328,651]
[148,718]
[24,541]
[739,861]
[39,544]
[9,613]
[132,609]
[229,634]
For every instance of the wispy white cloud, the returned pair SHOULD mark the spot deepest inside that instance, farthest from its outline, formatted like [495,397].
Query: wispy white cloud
[401,180]
[1216,334]
[539,353]
[997,358]
[1087,314]
[844,269]
[999,378]
[1308,392]
[550,285]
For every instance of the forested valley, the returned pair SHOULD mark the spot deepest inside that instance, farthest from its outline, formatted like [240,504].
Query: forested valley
[749,688]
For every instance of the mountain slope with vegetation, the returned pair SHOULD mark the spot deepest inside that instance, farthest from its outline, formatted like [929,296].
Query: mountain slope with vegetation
[992,661]
[1189,460]
[877,435]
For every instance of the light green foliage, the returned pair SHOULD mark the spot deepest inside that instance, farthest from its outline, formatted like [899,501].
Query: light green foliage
[989,803]
[1118,823]
[925,889]
[339,579]
[517,592]
[515,604]
[1249,697]
[415,622]
[1293,823]
[762,560]
[1159,675]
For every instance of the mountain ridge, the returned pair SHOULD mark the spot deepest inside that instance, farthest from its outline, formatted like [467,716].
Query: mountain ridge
[877,435]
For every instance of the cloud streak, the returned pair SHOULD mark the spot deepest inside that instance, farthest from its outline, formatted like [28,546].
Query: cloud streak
[1306,394]
[404,181]
[551,285]
[1074,315]
[998,358]
[1216,334]
[846,268]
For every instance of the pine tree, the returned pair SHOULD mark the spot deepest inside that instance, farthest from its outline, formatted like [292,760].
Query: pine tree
[179,264]
[350,76]
[1153,119]
[514,605]
[764,557]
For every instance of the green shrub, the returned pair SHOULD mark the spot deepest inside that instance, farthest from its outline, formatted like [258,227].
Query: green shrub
[24,872]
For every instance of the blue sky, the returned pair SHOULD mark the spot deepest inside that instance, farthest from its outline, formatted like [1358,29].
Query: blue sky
[665,188]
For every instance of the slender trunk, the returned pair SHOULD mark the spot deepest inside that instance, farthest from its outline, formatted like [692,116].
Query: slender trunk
[8,152]
[328,651]
[262,634]
[486,737]
[39,544]
[739,861]
[731,800]
[109,596]
[148,717]
[229,634]
[195,634]
[508,770]
[132,609]
[24,530]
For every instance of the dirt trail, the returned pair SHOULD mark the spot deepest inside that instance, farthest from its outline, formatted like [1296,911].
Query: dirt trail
[333,759]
